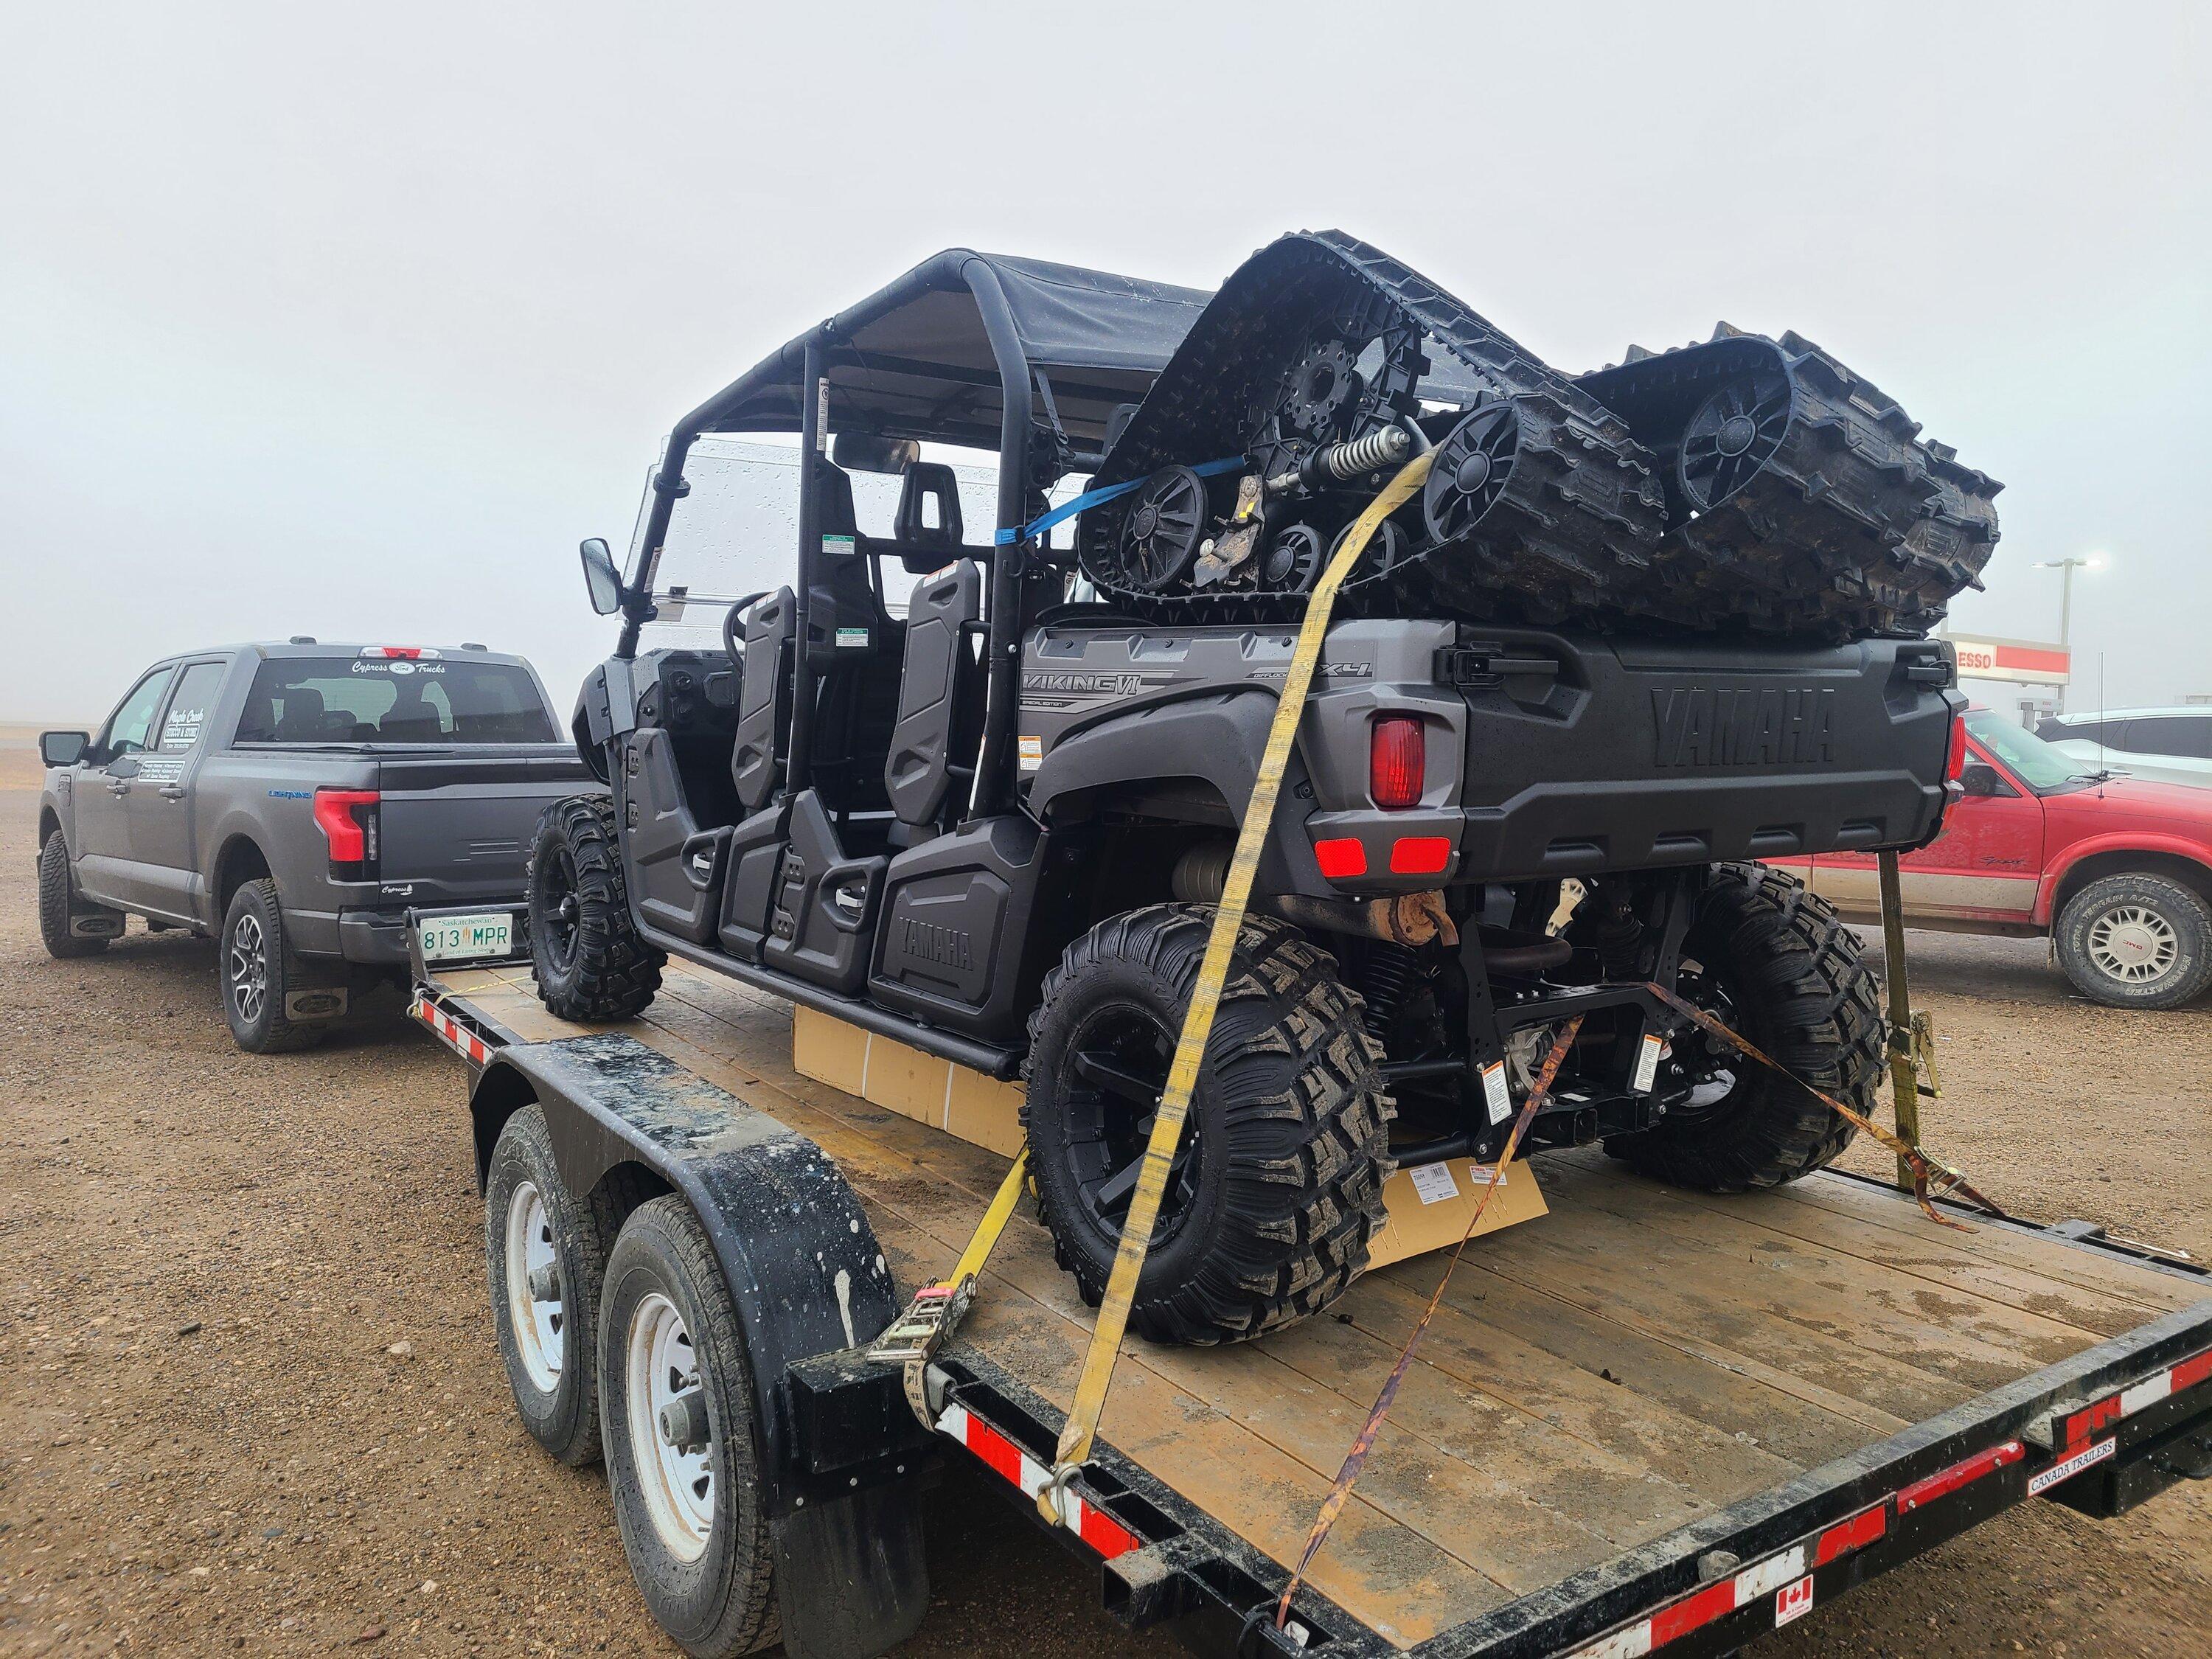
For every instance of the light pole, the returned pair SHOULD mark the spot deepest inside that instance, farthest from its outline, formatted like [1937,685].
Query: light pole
[2066,567]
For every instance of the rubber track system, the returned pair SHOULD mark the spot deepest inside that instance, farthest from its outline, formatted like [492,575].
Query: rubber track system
[1574,532]
[1839,522]
[1795,974]
[1302,1188]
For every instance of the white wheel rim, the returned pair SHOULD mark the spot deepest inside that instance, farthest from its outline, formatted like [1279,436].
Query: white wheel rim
[538,1336]
[249,968]
[679,1485]
[2133,944]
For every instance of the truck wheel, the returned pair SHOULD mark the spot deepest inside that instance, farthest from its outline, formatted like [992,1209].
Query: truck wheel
[683,1445]
[546,1265]
[591,964]
[58,906]
[2136,941]
[1773,961]
[1277,1186]
[259,968]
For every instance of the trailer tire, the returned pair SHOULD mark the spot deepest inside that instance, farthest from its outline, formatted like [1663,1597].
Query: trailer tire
[1794,985]
[704,1562]
[1247,1242]
[2136,940]
[58,906]
[259,968]
[590,965]
[532,1222]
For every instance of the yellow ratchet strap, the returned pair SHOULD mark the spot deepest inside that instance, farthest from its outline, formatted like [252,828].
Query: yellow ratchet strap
[1082,1426]
[913,1339]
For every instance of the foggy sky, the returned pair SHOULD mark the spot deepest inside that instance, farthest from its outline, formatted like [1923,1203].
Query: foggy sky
[351,321]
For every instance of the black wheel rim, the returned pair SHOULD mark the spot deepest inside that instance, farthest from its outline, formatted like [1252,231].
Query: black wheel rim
[1110,1078]
[1709,1074]
[1733,433]
[559,909]
[1166,521]
[1471,470]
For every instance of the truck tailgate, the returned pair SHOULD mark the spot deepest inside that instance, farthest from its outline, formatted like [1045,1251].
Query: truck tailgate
[457,825]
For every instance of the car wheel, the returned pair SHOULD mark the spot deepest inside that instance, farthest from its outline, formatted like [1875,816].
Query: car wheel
[545,1264]
[69,927]
[2137,941]
[258,968]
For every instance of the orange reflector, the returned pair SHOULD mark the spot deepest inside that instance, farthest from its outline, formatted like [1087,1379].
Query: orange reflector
[1340,858]
[1419,855]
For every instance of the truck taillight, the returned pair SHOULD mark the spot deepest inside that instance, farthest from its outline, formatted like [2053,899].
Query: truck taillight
[347,818]
[1954,762]
[1397,762]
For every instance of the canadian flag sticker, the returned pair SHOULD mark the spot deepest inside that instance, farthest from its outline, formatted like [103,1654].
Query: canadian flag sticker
[1793,1601]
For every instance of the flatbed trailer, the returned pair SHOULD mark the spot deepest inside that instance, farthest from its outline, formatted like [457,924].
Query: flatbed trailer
[1656,1421]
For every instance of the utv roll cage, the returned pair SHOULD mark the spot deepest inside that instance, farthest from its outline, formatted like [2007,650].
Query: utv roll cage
[966,348]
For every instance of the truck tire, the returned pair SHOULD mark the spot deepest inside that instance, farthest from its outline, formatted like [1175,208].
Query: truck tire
[58,908]
[258,967]
[591,964]
[546,1265]
[1772,961]
[693,1512]
[1278,1184]
[2136,941]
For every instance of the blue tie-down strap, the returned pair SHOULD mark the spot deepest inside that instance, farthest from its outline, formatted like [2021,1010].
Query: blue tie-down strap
[1091,498]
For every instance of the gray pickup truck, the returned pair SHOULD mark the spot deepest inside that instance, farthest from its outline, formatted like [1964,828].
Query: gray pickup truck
[296,801]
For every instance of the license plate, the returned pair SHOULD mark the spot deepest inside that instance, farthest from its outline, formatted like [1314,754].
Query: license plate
[449,939]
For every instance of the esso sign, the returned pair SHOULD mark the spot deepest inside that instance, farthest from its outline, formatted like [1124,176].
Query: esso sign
[1976,659]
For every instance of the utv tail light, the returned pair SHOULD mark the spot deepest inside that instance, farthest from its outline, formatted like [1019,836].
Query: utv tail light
[1397,762]
[347,818]
[1340,857]
[1954,762]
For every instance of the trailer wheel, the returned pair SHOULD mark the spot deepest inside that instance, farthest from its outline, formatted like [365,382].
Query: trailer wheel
[1278,1186]
[2136,941]
[58,908]
[258,968]
[1773,962]
[683,1444]
[591,964]
[545,1264]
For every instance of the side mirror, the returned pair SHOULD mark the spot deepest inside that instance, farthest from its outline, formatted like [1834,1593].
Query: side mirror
[63,748]
[1980,778]
[601,579]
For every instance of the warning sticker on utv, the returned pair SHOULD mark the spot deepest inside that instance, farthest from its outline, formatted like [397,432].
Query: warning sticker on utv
[1700,727]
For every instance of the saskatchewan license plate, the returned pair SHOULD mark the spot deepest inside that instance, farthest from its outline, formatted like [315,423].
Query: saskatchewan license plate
[449,939]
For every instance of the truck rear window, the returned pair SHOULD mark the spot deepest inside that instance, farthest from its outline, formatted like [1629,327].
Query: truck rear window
[373,699]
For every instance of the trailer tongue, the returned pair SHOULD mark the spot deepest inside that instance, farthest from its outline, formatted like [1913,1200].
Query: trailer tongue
[1666,1422]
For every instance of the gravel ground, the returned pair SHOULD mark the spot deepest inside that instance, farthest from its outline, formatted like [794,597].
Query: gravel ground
[249,1398]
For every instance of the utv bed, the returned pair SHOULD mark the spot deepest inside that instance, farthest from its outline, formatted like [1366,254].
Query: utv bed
[1656,1421]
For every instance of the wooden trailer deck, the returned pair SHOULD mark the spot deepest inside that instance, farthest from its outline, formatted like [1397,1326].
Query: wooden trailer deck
[1597,1379]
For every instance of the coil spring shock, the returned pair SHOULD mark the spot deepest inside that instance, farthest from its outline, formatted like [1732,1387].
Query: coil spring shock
[1387,448]
[1390,972]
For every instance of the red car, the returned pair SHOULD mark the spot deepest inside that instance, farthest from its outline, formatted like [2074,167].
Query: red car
[2117,871]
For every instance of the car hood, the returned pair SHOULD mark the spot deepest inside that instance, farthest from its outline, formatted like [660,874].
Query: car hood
[2182,806]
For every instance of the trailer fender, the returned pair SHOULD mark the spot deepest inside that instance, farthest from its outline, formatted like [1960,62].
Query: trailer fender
[808,1278]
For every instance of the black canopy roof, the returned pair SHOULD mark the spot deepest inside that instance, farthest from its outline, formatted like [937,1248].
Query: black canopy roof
[918,359]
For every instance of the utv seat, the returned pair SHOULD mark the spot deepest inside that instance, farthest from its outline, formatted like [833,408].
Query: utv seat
[764,699]
[933,744]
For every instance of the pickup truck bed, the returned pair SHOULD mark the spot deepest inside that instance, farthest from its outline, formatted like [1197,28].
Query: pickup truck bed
[1816,1382]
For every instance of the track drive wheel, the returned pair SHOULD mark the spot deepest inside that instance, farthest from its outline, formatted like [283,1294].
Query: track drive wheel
[591,964]
[1277,1189]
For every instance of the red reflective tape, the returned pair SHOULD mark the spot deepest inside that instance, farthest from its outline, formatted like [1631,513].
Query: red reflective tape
[2190,1372]
[1419,855]
[1966,1471]
[2085,1422]
[1103,1534]
[1855,1533]
[1002,1454]
[1692,1612]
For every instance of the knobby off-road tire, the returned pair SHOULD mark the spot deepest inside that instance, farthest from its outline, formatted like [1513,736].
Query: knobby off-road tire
[591,964]
[2136,941]
[715,1592]
[1789,980]
[57,905]
[533,1223]
[1279,1186]
[258,967]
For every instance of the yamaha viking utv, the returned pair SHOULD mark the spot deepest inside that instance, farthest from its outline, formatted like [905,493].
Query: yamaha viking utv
[972,778]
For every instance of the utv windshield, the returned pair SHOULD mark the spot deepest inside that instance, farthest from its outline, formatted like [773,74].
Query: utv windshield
[327,700]
[2046,770]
